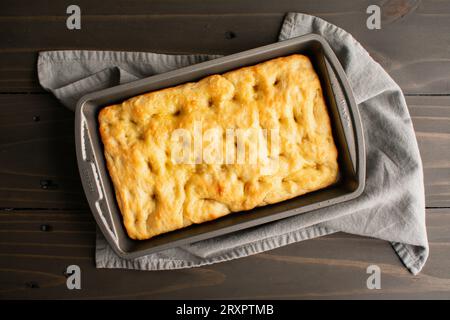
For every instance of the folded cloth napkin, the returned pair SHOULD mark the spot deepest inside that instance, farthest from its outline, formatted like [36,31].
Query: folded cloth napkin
[391,208]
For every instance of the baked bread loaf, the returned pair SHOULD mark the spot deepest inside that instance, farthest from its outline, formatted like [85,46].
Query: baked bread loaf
[157,195]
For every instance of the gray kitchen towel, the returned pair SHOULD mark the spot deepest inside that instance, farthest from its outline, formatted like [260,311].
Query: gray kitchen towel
[391,208]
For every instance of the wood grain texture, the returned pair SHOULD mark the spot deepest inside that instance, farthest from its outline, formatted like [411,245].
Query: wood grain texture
[416,57]
[38,163]
[431,118]
[50,143]
[32,265]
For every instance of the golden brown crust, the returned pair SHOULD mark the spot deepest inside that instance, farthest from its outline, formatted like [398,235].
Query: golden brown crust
[156,195]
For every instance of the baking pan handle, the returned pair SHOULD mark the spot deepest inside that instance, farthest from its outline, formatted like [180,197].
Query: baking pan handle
[91,181]
[359,163]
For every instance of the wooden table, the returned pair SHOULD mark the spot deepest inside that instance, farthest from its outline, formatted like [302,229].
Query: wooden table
[46,225]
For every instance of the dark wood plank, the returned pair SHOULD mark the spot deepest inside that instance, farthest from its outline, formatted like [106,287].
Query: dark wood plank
[36,152]
[32,263]
[431,118]
[413,56]
[38,162]
[178,7]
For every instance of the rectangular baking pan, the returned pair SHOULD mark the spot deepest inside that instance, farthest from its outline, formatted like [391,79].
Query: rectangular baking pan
[347,132]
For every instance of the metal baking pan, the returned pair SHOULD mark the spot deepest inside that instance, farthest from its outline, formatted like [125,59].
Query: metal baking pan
[347,132]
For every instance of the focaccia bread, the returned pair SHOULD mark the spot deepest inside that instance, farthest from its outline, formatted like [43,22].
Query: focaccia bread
[157,195]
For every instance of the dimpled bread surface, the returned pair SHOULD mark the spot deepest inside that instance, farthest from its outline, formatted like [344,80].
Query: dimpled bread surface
[156,195]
